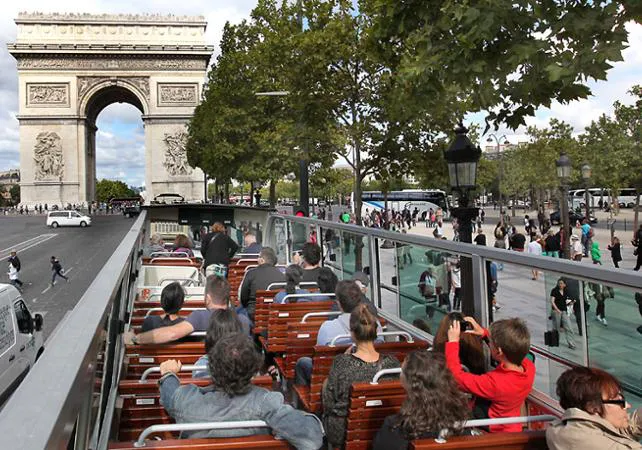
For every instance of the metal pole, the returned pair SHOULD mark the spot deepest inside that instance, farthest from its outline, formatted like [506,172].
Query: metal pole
[499,183]
[304,192]
[566,223]
[586,201]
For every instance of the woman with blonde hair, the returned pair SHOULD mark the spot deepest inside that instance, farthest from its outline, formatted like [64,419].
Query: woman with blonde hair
[183,244]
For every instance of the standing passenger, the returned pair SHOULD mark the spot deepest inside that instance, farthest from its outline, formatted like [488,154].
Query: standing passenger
[217,250]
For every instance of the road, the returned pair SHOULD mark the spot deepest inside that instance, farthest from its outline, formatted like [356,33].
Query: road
[81,251]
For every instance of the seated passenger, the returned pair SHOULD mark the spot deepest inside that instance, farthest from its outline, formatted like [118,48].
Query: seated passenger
[360,364]
[258,279]
[293,275]
[505,387]
[471,351]
[348,297]
[182,244]
[250,246]
[327,282]
[172,299]
[217,296]
[222,323]
[595,416]
[233,361]
[433,403]
[310,259]
[155,245]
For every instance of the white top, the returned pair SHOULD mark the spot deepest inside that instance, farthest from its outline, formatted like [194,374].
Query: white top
[534,248]
[455,277]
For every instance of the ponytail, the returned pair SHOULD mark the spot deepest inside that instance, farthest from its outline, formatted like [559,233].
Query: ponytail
[363,323]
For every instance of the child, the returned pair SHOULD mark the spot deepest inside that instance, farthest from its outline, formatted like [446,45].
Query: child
[56,268]
[509,384]
[596,255]
[616,253]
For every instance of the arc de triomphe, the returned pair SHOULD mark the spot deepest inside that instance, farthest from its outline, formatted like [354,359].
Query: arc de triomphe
[71,66]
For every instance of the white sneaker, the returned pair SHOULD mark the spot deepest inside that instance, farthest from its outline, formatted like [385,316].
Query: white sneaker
[604,321]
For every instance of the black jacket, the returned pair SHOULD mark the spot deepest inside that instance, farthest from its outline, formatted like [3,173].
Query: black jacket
[218,248]
[258,279]
[15,262]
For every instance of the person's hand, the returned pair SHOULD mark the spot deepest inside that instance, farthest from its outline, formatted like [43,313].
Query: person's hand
[477,328]
[170,366]
[454,331]
[128,337]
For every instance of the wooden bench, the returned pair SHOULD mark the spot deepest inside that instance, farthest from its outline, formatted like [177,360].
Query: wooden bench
[258,442]
[526,440]
[322,358]
[280,315]
[172,261]
[261,309]
[369,405]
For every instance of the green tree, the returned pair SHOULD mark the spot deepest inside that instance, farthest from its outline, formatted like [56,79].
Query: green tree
[108,189]
[504,57]
[14,191]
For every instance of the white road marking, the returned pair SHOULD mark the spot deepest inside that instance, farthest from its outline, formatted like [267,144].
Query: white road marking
[19,244]
[30,243]
[46,289]
[34,300]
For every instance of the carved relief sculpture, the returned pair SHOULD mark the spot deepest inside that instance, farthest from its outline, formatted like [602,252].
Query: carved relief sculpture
[48,156]
[177,94]
[48,94]
[67,63]
[175,154]
[86,83]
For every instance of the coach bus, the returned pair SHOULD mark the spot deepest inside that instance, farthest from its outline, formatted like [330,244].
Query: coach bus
[422,199]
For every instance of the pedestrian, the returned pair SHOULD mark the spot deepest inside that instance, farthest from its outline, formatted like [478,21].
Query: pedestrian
[596,254]
[56,268]
[480,239]
[637,243]
[562,305]
[616,252]
[576,248]
[552,244]
[455,287]
[14,270]
[587,234]
[535,248]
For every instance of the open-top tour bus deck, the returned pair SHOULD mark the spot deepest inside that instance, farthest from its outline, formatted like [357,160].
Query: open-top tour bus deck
[89,390]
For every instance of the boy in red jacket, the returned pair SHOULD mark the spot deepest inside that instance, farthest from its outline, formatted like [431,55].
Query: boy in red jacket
[509,384]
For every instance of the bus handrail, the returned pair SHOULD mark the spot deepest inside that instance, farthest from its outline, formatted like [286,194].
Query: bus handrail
[407,335]
[283,283]
[140,442]
[309,295]
[507,420]
[156,369]
[384,372]
[246,261]
[167,258]
[169,254]
[189,308]
[251,266]
[172,279]
[321,314]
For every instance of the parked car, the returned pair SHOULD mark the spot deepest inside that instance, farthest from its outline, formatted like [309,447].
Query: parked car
[573,217]
[21,341]
[57,219]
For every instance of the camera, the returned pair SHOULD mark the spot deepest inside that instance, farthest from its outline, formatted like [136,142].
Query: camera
[465,325]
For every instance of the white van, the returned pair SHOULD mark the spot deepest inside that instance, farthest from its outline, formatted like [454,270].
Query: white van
[20,340]
[57,219]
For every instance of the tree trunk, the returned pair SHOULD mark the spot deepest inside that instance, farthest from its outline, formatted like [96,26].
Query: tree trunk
[636,214]
[514,213]
[226,193]
[272,193]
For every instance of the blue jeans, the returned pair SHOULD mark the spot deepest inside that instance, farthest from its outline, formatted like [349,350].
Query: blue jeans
[303,371]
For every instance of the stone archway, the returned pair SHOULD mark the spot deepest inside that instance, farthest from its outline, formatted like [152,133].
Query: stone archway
[71,66]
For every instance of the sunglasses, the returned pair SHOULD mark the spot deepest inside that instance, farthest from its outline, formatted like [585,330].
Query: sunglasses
[621,402]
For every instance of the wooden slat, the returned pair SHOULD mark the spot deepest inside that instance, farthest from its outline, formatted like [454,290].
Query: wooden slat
[527,440]
[259,442]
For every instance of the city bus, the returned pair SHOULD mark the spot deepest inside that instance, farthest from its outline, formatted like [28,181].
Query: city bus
[627,197]
[422,199]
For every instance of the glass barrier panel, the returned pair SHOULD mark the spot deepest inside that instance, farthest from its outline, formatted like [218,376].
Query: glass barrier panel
[430,285]
[614,322]
[355,254]
[388,276]
[298,235]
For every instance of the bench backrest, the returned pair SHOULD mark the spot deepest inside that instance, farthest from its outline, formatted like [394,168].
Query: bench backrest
[264,299]
[280,315]
[526,440]
[259,442]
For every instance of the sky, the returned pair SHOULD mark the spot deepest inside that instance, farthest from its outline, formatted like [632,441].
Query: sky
[120,136]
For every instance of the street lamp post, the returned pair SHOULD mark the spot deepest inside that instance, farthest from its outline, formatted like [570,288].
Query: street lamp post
[462,158]
[563,165]
[304,189]
[586,176]
[490,139]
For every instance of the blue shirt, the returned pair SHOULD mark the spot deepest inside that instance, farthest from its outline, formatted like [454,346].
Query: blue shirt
[278,298]
[336,327]
[585,229]
[200,320]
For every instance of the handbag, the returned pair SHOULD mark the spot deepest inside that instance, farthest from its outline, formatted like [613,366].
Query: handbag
[552,338]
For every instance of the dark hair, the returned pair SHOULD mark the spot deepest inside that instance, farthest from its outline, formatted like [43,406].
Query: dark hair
[433,402]
[422,325]
[218,227]
[348,294]
[585,387]
[222,323]
[327,280]
[172,297]
[471,350]
[233,361]
[182,241]
[269,255]
[513,337]
[363,324]
[311,253]
[218,289]
[293,275]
